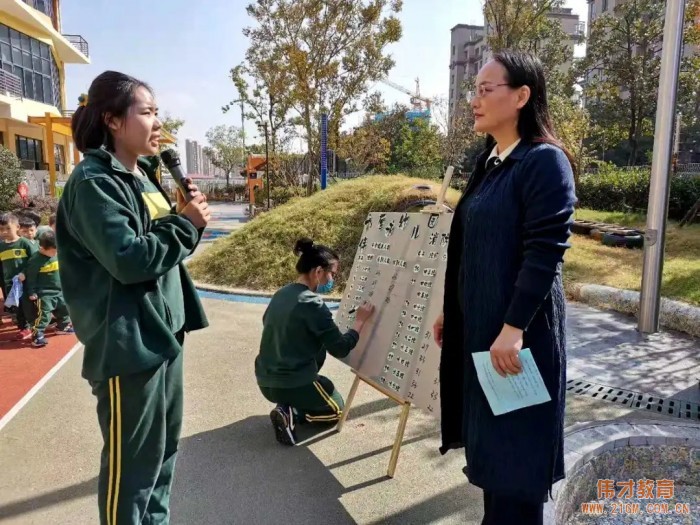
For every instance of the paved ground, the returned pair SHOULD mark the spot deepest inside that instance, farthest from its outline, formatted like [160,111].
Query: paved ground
[230,469]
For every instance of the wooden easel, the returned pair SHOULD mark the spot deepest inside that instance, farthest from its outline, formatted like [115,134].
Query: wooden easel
[437,208]
[403,419]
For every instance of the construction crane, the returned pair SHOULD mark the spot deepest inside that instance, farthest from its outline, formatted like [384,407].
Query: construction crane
[419,102]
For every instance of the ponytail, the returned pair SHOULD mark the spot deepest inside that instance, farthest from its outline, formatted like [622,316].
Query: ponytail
[111,95]
[313,255]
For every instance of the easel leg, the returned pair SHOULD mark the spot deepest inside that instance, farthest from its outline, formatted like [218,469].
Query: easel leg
[399,439]
[348,402]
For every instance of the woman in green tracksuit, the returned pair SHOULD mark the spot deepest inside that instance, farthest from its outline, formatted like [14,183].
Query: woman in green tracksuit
[121,245]
[298,330]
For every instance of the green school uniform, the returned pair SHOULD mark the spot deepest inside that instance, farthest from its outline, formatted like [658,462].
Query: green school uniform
[14,256]
[121,249]
[43,281]
[298,330]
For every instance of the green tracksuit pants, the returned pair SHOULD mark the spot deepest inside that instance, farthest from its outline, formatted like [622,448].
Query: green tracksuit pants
[140,416]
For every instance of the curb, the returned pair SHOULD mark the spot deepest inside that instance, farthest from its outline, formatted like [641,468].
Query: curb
[674,315]
[227,290]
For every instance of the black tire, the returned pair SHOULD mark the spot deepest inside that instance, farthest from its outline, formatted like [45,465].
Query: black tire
[418,205]
[626,241]
[581,228]
[596,234]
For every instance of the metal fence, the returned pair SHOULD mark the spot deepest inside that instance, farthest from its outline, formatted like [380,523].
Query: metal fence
[79,43]
[10,85]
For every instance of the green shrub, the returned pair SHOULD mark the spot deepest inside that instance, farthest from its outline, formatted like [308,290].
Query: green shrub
[11,174]
[614,189]
[283,194]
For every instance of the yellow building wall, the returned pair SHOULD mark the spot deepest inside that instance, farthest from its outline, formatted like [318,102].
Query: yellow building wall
[11,128]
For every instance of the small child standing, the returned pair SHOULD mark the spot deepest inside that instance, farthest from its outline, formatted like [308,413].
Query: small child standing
[15,251]
[27,229]
[43,286]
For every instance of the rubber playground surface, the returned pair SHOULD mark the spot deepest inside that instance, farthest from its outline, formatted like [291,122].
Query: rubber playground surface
[21,365]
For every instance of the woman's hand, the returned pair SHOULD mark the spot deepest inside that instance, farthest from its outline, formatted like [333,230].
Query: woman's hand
[364,313]
[504,351]
[438,328]
[197,211]
[193,190]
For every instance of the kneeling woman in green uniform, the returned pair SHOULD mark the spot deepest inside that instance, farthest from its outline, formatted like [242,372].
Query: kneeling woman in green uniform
[298,330]
[121,245]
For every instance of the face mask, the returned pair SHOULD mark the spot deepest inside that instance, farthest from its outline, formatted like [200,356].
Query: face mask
[325,288]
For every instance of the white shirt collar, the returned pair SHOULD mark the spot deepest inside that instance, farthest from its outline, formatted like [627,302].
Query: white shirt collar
[504,154]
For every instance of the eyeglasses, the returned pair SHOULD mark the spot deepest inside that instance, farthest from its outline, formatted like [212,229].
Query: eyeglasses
[484,89]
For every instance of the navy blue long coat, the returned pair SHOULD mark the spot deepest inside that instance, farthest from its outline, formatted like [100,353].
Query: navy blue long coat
[507,242]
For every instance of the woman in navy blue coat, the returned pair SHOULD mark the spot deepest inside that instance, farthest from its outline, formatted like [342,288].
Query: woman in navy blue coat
[504,292]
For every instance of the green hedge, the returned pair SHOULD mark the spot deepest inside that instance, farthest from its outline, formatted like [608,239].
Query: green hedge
[628,190]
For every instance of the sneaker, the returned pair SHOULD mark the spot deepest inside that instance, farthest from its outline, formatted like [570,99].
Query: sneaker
[283,422]
[39,342]
[24,335]
[67,330]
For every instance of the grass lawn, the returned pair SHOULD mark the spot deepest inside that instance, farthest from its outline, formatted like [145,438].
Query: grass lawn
[259,255]
[590,262]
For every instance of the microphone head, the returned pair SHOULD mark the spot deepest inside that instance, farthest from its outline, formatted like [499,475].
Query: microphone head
[170,157]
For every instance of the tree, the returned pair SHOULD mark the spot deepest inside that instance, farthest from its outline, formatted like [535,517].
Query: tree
[572,126]
[11,174]
[524,25]
[172,125]
[457,135]
[225,148]
[267,100]
[365,148]
[417,145]
[325,52]
[620,73]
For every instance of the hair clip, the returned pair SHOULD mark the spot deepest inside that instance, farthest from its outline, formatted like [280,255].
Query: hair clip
[83,100]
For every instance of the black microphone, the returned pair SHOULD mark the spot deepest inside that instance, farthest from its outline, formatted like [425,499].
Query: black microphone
[171,159]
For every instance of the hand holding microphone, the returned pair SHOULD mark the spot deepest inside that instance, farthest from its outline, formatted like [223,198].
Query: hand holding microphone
[191,203]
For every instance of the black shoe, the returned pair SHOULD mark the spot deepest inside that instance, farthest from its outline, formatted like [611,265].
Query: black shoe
[283,422]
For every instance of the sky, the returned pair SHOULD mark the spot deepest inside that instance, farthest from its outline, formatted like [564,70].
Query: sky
[186,49]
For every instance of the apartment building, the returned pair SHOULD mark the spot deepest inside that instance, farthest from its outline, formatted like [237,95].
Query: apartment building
[469,50]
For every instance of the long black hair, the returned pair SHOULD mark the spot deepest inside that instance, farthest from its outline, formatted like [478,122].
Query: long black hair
[111,93]
[313,255]
[534,121]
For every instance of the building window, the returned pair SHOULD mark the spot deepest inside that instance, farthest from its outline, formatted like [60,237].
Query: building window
[45,6]
[605,6]
[30,153]
[454,49]
[31,61]
[59,153]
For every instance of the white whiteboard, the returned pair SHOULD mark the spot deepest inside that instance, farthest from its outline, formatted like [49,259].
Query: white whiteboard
[400,268]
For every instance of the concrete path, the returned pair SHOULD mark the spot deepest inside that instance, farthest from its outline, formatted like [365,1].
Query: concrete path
[232,471]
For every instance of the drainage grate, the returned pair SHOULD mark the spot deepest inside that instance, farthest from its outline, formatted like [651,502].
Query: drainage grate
[668,407]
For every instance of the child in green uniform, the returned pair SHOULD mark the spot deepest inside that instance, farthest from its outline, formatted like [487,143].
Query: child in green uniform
[15,251]
[43,287]
[27,229]
[298,330]
[121,245]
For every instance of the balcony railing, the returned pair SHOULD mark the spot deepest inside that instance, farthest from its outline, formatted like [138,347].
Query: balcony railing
[68,113]
[79,43]
[580,30]
[10,85]
[44,6]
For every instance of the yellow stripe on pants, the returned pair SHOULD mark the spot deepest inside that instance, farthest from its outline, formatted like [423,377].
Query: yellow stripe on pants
[111,451]
[328,399]
[118,413]
[115,450]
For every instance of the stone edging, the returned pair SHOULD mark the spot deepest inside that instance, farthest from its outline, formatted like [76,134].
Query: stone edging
[585,441]
[674,315]
[244,291]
